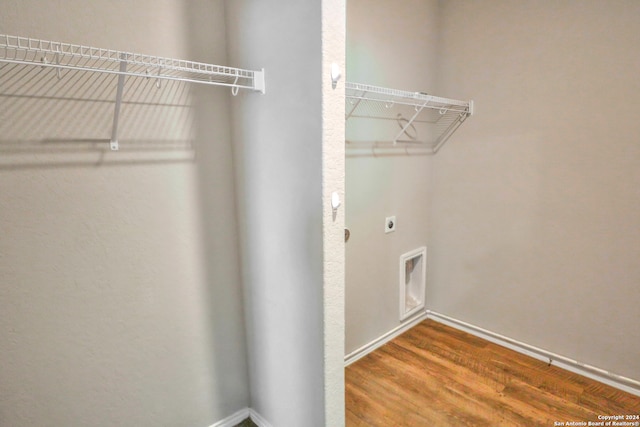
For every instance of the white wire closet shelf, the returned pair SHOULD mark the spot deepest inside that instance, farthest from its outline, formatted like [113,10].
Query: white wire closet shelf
[383,115]
[65,56]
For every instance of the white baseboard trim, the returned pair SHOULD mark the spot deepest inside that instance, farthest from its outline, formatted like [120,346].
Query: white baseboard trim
[379,342]
[623,383]
[240,416]
[234,419]
[258,419]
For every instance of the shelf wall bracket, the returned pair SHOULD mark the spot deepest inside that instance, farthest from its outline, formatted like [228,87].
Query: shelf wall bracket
[116,113]
[258,81]
[449,131]
[355,106]
[418,109]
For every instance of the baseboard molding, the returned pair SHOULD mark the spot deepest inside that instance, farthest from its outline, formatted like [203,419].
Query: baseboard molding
[379,342]
[240,416]
[258,419]
[623,383]
[234,419]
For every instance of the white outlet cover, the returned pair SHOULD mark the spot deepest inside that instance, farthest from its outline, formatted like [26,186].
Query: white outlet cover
[390,224]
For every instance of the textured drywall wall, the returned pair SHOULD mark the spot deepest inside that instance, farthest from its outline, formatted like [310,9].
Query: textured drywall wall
[535,210]
[390,44]
[333,180]
[283,192]
[120,301]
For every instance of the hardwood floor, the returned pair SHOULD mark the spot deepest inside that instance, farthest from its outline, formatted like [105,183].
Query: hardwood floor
[434,375]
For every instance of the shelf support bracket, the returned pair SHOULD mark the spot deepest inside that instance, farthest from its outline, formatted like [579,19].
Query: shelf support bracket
[418,109]
[258,81]
[449,131]
[116,113]
[355,105]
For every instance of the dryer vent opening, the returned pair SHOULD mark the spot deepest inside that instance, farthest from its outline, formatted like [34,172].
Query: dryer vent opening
[413,276]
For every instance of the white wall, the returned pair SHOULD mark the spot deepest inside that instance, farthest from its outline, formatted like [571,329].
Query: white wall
[278,149]
[535,209]
[333,180]
[390,44]
[120,301]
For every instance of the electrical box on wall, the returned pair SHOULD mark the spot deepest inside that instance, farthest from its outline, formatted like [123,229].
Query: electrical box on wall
[390,224]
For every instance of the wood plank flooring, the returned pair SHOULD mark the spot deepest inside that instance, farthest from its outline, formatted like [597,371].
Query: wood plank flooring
[434,375]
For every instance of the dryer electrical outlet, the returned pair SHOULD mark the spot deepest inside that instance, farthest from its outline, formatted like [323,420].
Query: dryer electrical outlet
[390,224]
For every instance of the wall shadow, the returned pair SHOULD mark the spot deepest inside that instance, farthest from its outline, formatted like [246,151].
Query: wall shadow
[62,118]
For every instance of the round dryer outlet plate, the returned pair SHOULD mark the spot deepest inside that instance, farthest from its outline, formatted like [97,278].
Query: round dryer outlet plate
[390,224]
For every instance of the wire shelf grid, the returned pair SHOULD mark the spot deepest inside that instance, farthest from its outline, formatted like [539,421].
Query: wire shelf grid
[21,55]
[420,117]
[29,51]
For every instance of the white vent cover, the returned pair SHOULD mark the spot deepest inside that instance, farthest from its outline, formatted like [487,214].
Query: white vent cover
[413,280]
